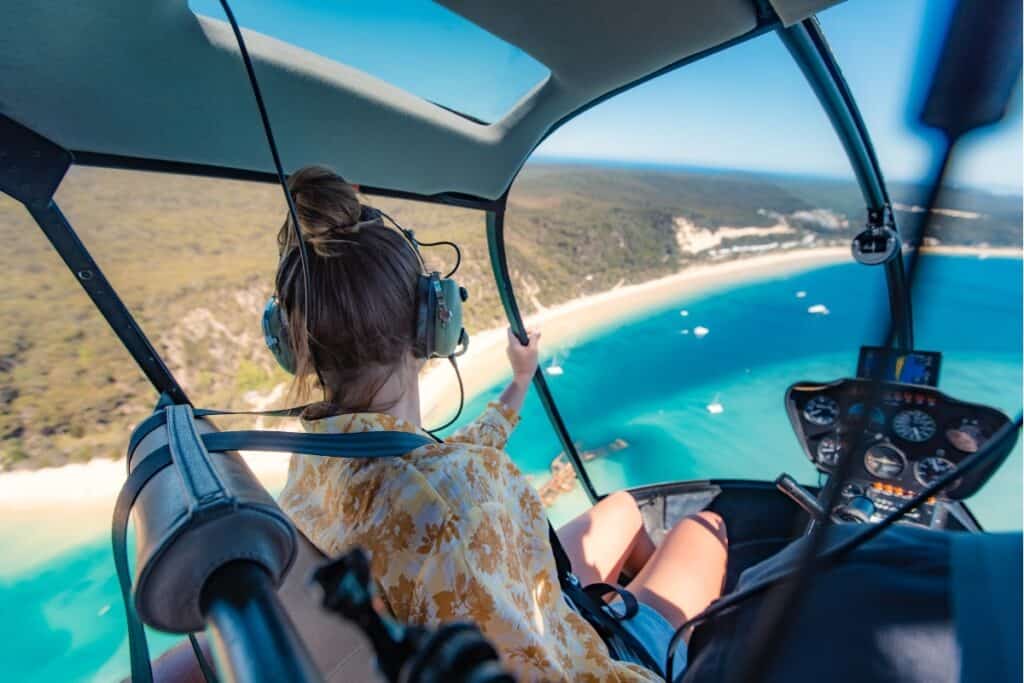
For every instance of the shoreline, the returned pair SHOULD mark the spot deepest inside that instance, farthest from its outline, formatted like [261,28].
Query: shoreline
[47,492]
[584,317]
[581,318]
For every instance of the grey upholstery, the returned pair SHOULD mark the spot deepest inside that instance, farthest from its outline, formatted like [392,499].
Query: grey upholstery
[194,517]
[340,650]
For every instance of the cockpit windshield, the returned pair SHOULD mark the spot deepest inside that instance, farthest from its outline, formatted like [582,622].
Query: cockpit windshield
[686,249]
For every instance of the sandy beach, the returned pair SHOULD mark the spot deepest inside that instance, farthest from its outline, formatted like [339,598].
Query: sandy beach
[74,502]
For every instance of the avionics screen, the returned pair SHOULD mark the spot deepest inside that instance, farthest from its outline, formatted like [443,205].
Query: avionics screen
[915,367]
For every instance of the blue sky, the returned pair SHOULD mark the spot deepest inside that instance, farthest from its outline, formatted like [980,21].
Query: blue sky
[748,107]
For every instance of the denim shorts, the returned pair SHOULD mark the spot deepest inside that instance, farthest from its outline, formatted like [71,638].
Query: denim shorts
[654,632]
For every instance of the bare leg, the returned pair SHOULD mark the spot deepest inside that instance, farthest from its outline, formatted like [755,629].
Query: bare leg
[606,538]
[687,571]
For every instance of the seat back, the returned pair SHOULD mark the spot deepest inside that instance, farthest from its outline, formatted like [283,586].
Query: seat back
[339,648]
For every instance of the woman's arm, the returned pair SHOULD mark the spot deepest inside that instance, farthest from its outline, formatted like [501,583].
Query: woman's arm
[494,427]
[523,359]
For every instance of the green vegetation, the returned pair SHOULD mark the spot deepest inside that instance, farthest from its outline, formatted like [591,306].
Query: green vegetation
[194,260]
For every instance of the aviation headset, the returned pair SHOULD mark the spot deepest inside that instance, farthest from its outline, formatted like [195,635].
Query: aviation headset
[438,331]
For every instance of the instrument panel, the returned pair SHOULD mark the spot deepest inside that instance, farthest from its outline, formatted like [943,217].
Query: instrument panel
[902,436]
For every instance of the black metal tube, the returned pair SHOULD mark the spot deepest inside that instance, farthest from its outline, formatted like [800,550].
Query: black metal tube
[807,56]
[253,638]
[809,49]
[503,281]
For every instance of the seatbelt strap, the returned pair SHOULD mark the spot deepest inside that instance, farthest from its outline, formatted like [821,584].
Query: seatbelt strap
[589,604]
[137,647]
[562,562]
[159,419]
[356,445]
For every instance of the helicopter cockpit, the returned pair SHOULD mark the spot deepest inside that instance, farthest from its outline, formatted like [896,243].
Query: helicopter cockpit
[168,88]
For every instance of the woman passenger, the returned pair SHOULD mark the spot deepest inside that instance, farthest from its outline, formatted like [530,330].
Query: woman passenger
[454,530]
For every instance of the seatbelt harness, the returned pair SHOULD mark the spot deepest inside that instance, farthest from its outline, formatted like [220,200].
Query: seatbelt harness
[357,445]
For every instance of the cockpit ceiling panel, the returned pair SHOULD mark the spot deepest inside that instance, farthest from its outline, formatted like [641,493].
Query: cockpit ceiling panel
[150,79]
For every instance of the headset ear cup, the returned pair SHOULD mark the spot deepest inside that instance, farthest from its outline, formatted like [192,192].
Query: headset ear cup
[276,337]
[424,328]
[448,331]
[368,213]
[432,321]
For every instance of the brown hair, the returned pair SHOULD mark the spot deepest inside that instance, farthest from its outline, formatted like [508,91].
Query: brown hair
[362,307]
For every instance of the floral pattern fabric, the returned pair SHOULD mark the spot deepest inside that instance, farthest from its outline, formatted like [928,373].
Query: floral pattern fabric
[454,531]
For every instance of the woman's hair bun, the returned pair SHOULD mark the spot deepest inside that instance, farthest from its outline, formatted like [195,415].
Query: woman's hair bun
[328,209]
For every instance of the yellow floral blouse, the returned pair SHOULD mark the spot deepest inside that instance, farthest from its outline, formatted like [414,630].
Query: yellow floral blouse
[454,532]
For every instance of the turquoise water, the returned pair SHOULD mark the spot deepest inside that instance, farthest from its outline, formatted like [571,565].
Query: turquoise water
[649,384]
[643,381]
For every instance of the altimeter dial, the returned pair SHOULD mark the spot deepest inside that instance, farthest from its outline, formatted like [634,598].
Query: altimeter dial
[913,425]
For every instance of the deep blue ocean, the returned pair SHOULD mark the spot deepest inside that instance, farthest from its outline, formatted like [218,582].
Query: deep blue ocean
[648,381]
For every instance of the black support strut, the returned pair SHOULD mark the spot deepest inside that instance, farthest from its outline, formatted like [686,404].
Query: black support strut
[809,49]
[502,279]
[31,169]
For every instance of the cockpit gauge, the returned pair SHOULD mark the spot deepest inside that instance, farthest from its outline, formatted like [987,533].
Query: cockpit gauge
[913,425]
[828,450]
[966,436]
[821,411]
[884,461]
[927,471]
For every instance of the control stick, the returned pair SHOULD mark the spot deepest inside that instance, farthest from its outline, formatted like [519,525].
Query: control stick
[858,509]
[799,495]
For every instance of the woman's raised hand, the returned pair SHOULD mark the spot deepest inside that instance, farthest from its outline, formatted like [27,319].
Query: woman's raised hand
[523,359]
